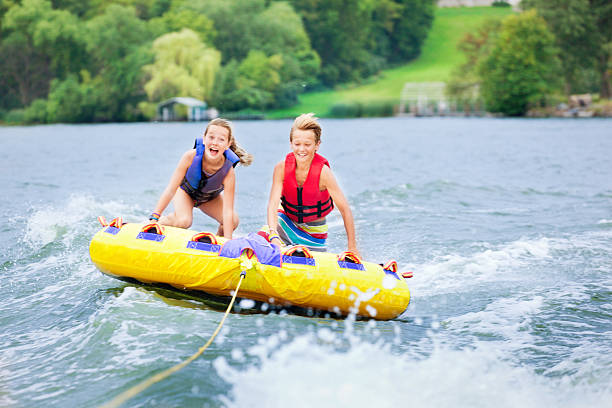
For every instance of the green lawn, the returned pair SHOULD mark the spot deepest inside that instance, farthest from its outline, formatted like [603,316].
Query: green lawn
[440,55]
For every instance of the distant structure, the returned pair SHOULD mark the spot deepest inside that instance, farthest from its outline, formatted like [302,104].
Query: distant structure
[195,108]
[474,3]
[423,99]
[430,99]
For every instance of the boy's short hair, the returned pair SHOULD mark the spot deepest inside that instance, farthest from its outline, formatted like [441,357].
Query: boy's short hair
[307,121]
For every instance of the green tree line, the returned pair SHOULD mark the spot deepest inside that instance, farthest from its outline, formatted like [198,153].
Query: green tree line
[98,61]
[552,48]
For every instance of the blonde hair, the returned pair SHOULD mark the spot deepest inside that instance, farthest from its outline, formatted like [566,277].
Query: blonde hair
[306,121]
[245,157]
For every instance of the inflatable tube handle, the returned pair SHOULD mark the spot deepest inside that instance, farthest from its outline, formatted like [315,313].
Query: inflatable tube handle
[159,230]
[211,237]
[391,266]
[348,256]
[116,222]
[290,251]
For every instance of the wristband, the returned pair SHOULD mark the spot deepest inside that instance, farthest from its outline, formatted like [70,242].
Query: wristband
[154,216]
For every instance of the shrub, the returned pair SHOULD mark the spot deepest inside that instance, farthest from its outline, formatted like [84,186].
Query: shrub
[36,112]
[14,117]
[501,3]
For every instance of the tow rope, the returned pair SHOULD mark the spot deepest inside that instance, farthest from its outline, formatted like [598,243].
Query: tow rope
[138,388]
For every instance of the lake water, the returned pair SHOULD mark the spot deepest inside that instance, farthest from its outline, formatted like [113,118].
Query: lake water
[507,225]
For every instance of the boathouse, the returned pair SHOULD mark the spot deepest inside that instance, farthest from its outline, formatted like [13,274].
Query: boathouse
[183,108]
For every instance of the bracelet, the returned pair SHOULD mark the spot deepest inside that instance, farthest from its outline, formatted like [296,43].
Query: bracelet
[154,216]
[272,236]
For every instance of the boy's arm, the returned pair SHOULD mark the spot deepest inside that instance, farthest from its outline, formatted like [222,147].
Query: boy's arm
[328,181]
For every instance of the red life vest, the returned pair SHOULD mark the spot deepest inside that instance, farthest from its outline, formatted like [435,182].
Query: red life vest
[306,203]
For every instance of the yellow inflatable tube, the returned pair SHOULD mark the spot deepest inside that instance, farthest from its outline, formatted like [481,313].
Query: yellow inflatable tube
[188,260]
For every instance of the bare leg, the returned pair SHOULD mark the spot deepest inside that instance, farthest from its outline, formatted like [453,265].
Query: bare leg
[182,216]
[214,209]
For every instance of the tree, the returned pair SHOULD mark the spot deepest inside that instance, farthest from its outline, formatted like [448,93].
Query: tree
[184,66]
[263,36]
[39,44]
[254,83]
[410,28]
[463,85]
[583,31]
[70,101]
[118,44]
[177,19]
[339,31]
[522,68]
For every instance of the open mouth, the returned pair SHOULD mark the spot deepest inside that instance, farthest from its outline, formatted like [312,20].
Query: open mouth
[213,151]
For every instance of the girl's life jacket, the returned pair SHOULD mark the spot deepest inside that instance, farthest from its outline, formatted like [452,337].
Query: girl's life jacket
[200,186]
[306,203]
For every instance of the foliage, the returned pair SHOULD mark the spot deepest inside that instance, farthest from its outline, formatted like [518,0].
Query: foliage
[339,32]
[183,66]
[362,109]
[252,83]
[411,29]
[38,44]
[583,32]
[93,60]
[177,19]
[436,63]
[356,38]
[463,85]
[117,42]
[522,68]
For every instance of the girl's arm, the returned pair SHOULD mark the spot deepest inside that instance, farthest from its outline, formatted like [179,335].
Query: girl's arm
[229,188]
[274,201]
[328,181]
[175,181]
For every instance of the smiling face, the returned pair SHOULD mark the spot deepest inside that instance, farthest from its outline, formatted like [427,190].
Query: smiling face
[304,145]
[217,140]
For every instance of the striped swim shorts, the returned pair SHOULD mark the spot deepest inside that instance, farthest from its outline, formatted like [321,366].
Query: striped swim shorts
[312,235]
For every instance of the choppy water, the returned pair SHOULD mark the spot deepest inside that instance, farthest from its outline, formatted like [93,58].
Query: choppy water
[507,225]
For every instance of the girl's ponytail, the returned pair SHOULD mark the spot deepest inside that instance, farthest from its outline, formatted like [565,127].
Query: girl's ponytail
[245,157]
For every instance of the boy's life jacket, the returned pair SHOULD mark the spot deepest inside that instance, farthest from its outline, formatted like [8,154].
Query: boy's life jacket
[306,203]
[200,186]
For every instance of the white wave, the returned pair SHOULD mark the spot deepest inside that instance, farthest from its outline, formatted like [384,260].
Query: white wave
[604,221]
[453,272]
[306,372]
[48,224]
[508,320]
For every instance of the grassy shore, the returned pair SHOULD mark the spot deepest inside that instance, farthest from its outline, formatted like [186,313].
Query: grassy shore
[435,64]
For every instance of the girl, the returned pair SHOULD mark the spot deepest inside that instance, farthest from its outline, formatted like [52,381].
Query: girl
[304,186]
[200,177]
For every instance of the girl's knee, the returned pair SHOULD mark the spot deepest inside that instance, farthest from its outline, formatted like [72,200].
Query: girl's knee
[183,222]
[236,220]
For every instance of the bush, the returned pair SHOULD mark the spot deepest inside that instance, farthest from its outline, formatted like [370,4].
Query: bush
[377,109]
[362,109]
[345,110]
[501,3]
[36,112]
[14,117]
